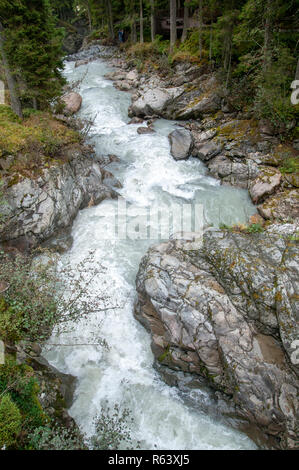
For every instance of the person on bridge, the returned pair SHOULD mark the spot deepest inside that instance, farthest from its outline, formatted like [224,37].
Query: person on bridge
[121,35]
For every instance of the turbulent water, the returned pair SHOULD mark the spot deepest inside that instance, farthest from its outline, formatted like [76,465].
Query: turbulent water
[124,373]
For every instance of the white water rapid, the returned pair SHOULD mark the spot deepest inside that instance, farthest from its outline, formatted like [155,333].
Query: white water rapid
[124,374]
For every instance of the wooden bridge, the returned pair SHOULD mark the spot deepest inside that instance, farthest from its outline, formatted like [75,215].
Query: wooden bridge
[163,22]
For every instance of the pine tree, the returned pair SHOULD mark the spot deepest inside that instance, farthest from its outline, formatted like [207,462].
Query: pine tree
[33,48]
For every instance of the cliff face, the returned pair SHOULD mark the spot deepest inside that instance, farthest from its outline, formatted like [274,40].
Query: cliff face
[226,314]
[37,208]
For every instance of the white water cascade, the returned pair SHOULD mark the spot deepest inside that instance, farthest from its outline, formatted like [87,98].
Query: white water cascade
[124,373]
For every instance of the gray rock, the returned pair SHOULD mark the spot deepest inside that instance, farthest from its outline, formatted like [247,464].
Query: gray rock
[136,120]
[226,313]
[207,150]
[154,101]
[116,76]
[196,108]
[132,76]
[145,130]
[233,172]
[36,209]
[81,62]
[180,144]
[282,207]
[122,85]
[72,102]
[265,184]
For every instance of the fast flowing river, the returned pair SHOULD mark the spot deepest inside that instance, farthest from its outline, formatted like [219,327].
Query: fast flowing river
[124,373]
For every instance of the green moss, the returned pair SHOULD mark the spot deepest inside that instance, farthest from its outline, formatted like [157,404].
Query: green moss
[23,388]
[239,130]
[290,165]
[10,422]
[166,354]
[38,138]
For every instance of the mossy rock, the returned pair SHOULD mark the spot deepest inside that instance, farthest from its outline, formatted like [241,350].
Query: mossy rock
[240,130]
[292,178]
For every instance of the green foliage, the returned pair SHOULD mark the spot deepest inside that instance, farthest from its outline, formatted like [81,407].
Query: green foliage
[290,165]
[7,115]
[255,228]
[34,142]
[10,421]
[35,300]
[273,89]
[294,237]
[33,46]
[28,307]
[113,429]
[19,382]
[55,437]
[225,227]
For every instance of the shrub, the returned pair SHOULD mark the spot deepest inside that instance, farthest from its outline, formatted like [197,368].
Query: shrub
[290,165]
[142,51]
[39,137]
[36,301]
[255,228]
[55,438]
[10,421]
[23,388]
[112,429]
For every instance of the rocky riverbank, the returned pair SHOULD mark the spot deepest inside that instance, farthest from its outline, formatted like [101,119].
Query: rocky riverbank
[222,316]
[227,313]
[55,389]
[225,316]
[40,207]
[236,148]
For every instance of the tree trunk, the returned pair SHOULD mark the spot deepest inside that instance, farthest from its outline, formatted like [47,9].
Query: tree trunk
[173,29]
[200,28]
[14,98]
[141,22]
[267,37]
[34,103]
[110,19]
[211,42]
[153,20]
[89,16]
[133,30]
[297,71]
[186,22]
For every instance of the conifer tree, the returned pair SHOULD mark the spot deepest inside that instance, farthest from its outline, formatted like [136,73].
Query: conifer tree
[33,48]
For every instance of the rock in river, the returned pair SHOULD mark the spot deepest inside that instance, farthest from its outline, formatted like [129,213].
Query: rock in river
[180,144]
[72,102]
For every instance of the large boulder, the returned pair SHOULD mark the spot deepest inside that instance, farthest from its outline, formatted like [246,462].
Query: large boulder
[198,107]
[226,314]
[72,102]
[180,144]
[132,76]
[265,184]
[37,209]
[235,173]
[154,101]
[282,207]
[122,85]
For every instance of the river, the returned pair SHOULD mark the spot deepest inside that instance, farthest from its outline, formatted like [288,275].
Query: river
[124,373]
